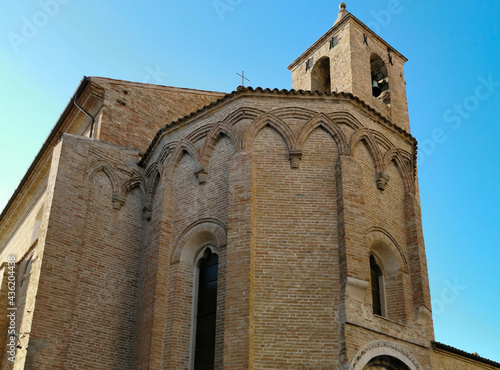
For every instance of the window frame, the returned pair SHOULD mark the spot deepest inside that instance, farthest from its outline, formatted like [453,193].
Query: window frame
[381,286]
[194,306]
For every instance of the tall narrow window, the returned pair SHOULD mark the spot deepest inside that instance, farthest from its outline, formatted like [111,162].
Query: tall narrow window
[377,281]
[206,311]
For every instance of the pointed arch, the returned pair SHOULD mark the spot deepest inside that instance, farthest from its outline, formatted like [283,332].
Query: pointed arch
[394,155]
[346,118]
[212,139]
[243,113]
[365,135]
[273,122]
[152,184]
[166,150]
[199,133]
[101,165]
[133,183]
[383,141]
[293,112]
[152,169]
[183,146]
[322,120]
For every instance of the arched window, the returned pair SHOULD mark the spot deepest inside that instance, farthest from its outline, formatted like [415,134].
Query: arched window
[379,79]
[320,76]
[377,282]
[206,310]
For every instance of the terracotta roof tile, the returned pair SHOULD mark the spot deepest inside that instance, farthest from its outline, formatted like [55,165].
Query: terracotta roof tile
[459,352]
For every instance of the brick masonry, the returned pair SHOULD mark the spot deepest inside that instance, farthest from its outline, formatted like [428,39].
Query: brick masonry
[293,190]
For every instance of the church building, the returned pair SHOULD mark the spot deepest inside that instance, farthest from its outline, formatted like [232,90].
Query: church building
[168,228]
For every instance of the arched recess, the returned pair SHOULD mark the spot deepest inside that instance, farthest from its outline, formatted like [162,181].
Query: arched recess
[294,112]
[199,133]
[379,79]
[135,182]
[276,124]
[182,147]
[101,165]
[321,120]
[387,249]
[153,179]
[152,169]
[345,118]
[391,260]
[394,155]
[365,136]
[191,241]
[37,225]
[320,76]
[212,139]
[379,348]
[166,150]
[383,142]
[243,113]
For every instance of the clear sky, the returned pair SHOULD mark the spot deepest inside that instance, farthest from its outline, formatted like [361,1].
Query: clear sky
[453,82]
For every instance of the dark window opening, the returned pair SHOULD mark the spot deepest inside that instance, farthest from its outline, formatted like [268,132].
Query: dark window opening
[377,287]
[320,76]
[379,79]
[333,42]
[206,311]
[385,363]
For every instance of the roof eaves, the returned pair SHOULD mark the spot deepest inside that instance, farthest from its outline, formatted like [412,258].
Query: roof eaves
[468,355]
[83,84]
[153,86]
[241,90]
[335,27]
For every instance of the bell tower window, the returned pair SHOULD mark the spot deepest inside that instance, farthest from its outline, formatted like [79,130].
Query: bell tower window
[320,76]
[379,79]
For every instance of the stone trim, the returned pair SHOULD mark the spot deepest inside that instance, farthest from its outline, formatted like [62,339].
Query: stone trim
[383,348]
[356,289]
[201,233]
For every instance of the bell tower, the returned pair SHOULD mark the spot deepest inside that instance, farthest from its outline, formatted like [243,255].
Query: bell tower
[351,58]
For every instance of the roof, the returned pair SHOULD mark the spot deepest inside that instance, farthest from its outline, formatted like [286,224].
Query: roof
[83,84]
[133,112]
[332,30]
[468,355]
[178,100]
[259,91]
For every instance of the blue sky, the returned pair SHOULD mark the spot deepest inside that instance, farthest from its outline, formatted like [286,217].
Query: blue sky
[453,85]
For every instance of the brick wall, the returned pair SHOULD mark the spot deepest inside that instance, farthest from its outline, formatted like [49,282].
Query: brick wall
[85,309]
[285,282]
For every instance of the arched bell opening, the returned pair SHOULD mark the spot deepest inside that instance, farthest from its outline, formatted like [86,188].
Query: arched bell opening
[320,76]
[380,79]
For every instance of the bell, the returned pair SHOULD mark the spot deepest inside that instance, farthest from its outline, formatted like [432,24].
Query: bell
[376,90]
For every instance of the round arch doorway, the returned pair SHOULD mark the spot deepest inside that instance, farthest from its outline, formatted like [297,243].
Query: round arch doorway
[385,363]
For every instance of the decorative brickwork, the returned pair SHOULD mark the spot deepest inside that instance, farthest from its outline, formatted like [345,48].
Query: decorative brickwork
[295,191]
